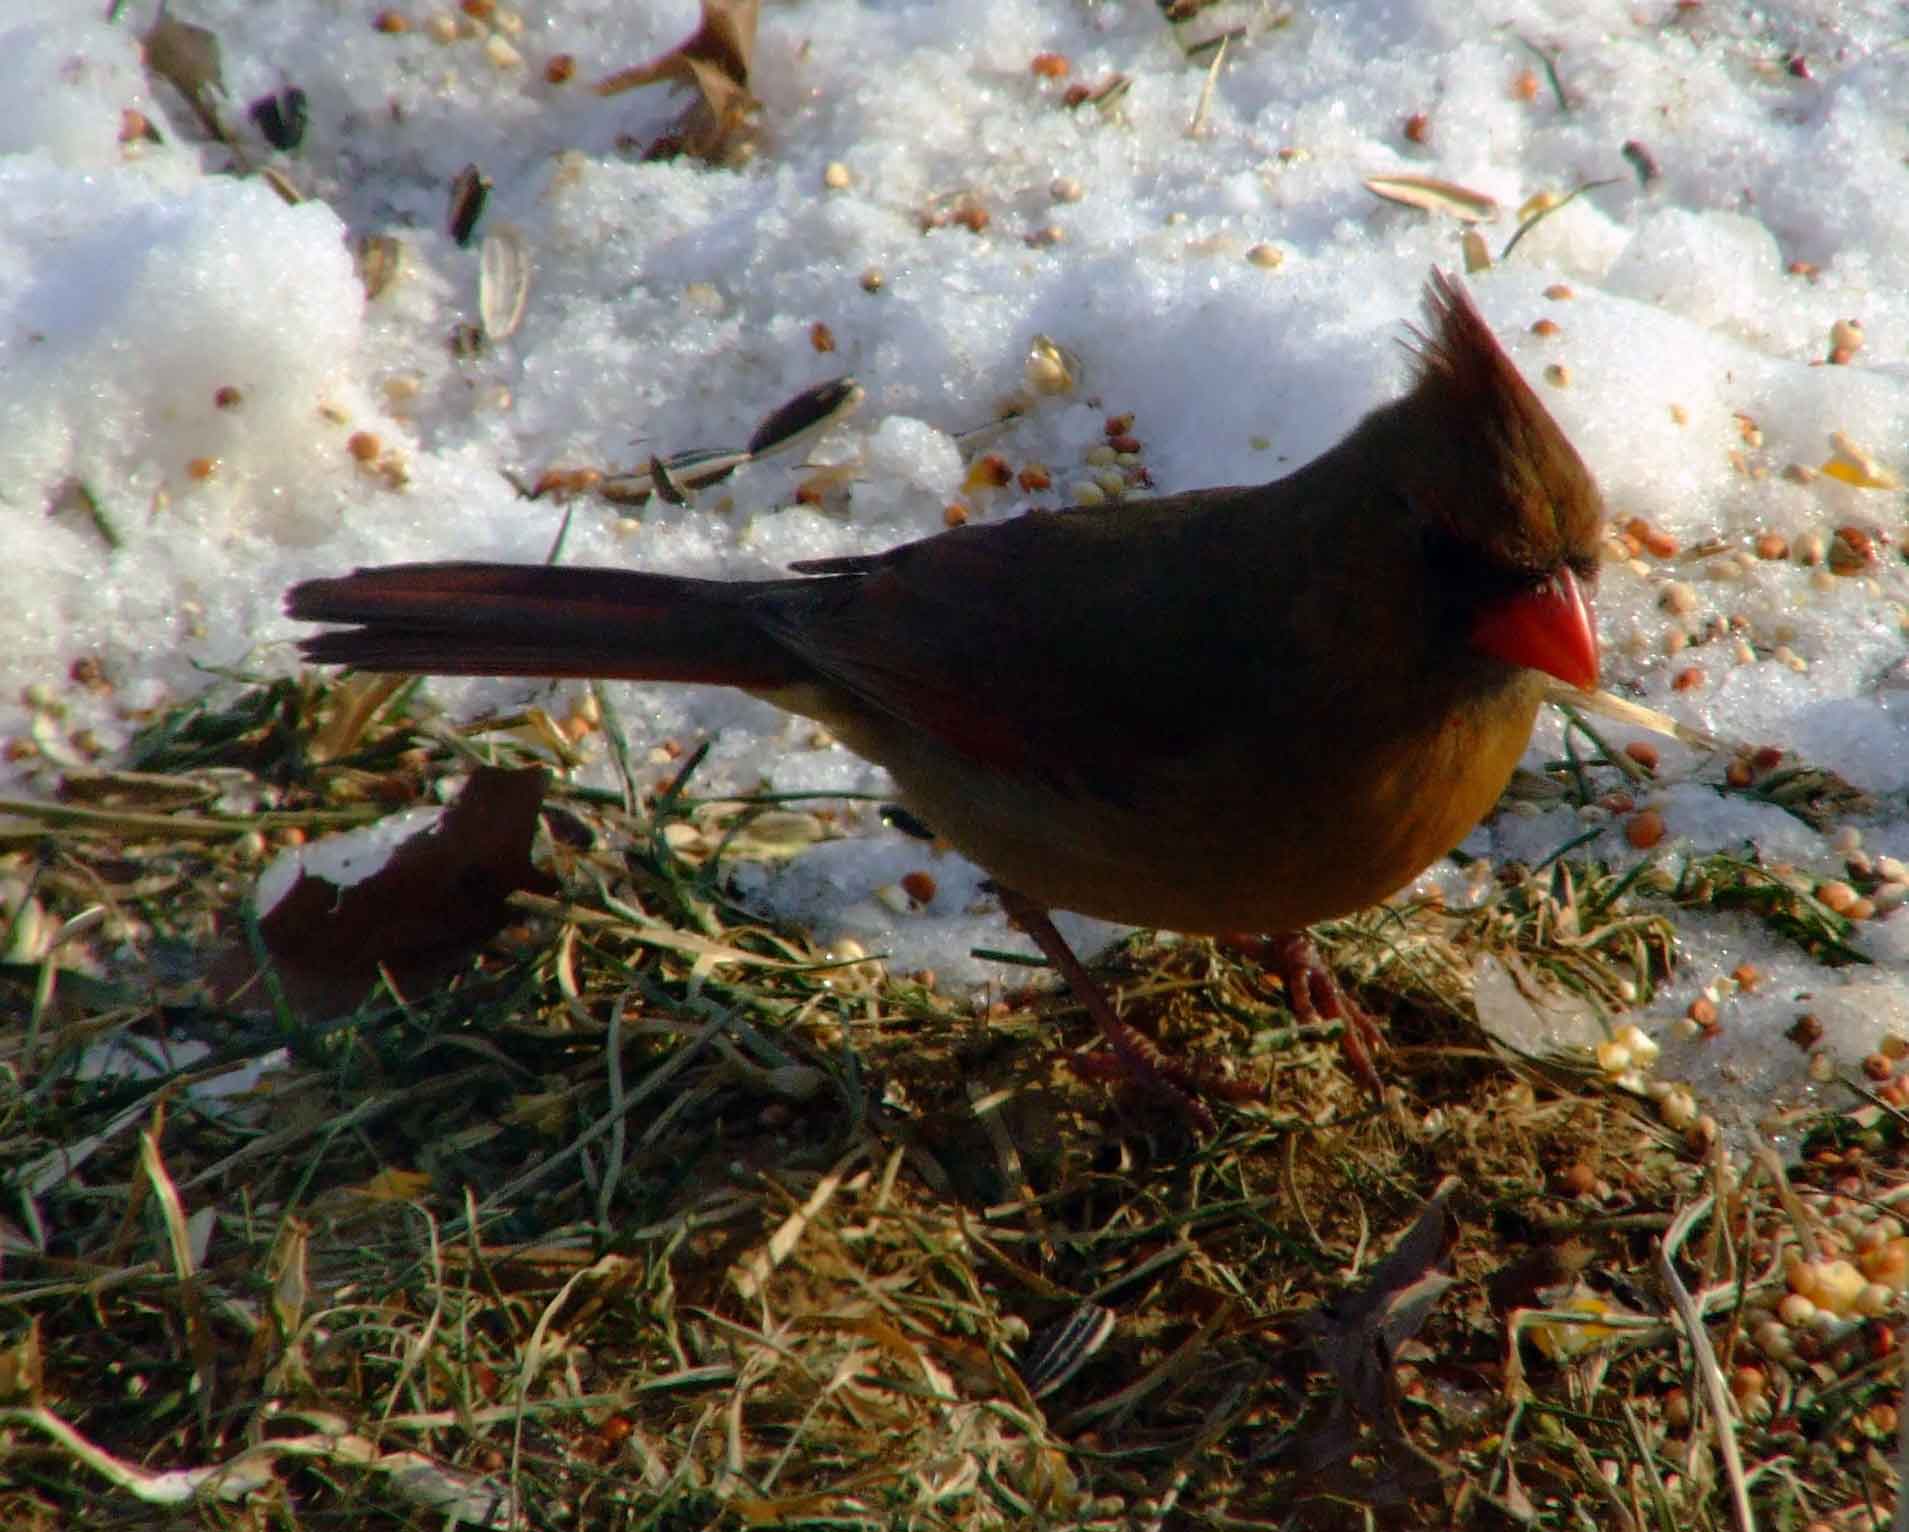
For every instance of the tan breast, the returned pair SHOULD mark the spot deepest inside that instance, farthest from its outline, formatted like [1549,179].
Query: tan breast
[1241,841]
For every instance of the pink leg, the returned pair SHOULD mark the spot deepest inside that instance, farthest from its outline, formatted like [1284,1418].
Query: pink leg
[1315,995]
[1138,1059]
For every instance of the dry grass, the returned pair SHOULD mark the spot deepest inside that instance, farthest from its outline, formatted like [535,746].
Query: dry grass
[653,1217]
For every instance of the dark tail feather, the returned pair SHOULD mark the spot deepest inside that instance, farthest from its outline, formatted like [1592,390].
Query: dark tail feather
[541,620]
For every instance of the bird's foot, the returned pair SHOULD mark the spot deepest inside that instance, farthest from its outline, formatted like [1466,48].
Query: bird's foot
[1183,1086]
[1315,995]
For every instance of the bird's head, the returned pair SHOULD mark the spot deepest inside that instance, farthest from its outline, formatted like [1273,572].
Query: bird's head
[1511,516]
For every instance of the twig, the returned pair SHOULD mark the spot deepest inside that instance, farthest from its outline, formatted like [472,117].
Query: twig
[1197,125]
[66,816]
[613,1161]
[1716,1391]
[1792,1204]
[1551,73]
[1545,212]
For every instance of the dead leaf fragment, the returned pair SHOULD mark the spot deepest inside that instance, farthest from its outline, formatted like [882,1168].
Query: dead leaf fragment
[726,38]
[1356,1337]
[187,58]
[714,60]
[356,906]
[1357,1334]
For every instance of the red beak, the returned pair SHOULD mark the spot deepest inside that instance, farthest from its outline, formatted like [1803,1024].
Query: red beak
[1548,629]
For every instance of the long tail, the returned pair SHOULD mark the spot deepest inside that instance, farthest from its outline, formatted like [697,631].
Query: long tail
[542,620]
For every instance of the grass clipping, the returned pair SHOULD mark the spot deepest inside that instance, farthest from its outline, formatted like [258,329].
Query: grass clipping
[653,1215]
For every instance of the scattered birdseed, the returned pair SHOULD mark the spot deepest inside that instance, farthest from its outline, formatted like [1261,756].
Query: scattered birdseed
[1854,464]
[1558,375]
[1644,829]
[836,176]
[1559,292]
[972,216]
[1269,257]
[1641,160]
[1836,895]
[1658,544]
[1851,551]
[1066,189]
[1678,599]
[1677,1108]
[1845,340]
[1050,368]
[990,471]
[1088,493]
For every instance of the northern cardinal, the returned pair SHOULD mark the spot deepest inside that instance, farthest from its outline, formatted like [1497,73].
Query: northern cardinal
[1234,709]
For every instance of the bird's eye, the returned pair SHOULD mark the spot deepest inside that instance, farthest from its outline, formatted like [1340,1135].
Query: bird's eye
[1459,568]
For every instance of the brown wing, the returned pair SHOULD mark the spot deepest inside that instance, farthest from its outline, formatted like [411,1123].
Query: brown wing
[1073,646]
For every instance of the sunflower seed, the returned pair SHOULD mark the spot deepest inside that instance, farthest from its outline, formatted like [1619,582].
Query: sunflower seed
[468,194]
[806,416]
[503,281]
[1430,195]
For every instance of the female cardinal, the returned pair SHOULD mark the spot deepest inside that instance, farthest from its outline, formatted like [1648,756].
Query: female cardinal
[1235,709]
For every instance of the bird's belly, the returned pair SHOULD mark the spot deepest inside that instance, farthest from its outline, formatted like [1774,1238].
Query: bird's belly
[1238,842]
[1228,850]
